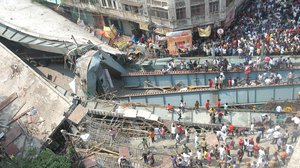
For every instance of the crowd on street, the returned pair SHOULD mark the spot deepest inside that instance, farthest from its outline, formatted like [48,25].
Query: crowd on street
[269,27]
[265,144]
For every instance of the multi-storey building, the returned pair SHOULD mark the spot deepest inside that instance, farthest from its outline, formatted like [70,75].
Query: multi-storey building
[168,15]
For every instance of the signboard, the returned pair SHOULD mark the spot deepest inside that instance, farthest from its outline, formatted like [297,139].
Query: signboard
[220,31]
[164,31]
[204,32]
[179,40]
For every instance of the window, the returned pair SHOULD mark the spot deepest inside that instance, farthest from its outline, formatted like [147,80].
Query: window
[156,3]
[181,13]
[214,7]
[228,2]
[109,3]
[132,9]
[159,13]
[197,1]
[115,5]
[103,3]
[198,10]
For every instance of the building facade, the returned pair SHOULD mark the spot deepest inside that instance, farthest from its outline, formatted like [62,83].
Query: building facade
[168,15]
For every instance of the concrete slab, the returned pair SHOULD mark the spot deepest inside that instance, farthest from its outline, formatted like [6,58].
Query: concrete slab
[12,134]
[11,149]
[89,162]
[35,92]
[77,115]
[40,21]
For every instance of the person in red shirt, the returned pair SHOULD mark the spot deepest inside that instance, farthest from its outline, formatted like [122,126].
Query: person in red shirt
[207,105]
[170,108]
[163,132]
[218,104]
[210,83]
[220,116]
[241,142]
[230,128]
[152,135]
[179,129]
[229,82]
[255,150]
[227,149]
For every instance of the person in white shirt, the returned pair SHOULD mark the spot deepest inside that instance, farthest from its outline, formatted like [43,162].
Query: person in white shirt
[177,140]
[222,152]
[277,127]
[199,154]
[289,149]
[260,77]
[270,133]
[276,136]
[173,130]
[120,160]
[251,49]
[296,121]
[222,135]
[252,128]
[186,158]
[187,135]
[196,140]
[224,128]
[268,81]
[279,77]
[278,111]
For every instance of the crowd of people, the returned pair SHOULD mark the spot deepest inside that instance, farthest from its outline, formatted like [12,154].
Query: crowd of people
[268,66]
[223,65]
[257,142]
[269,27]
[232,146]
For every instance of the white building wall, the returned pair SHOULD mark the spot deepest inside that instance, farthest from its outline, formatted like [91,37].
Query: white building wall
[172,23]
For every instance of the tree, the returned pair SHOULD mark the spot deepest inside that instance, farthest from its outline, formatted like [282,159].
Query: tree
[45,159]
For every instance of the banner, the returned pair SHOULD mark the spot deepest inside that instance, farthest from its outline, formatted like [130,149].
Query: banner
[160,30]
[111,31]
[230,17]
[204,32]
[179,40]
[144,26]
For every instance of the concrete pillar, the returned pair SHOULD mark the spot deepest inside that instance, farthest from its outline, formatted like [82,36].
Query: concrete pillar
[222,8]
[172,13]
[206,10]
[106,2]
[188,8]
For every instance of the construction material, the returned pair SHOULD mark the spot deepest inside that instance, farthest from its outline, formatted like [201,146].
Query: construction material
[20,107]
[77,115]
[8,100]
[18,117]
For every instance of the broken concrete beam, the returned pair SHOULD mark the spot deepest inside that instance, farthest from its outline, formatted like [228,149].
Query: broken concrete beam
[8,100]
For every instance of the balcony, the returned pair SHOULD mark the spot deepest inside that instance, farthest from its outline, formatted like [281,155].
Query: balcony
[126,15]
[182,24]
[198,20]
[137,3]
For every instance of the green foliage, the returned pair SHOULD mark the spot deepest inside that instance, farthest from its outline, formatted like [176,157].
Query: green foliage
[45,159]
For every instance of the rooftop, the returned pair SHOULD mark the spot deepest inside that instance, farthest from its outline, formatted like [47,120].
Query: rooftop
[28,90]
